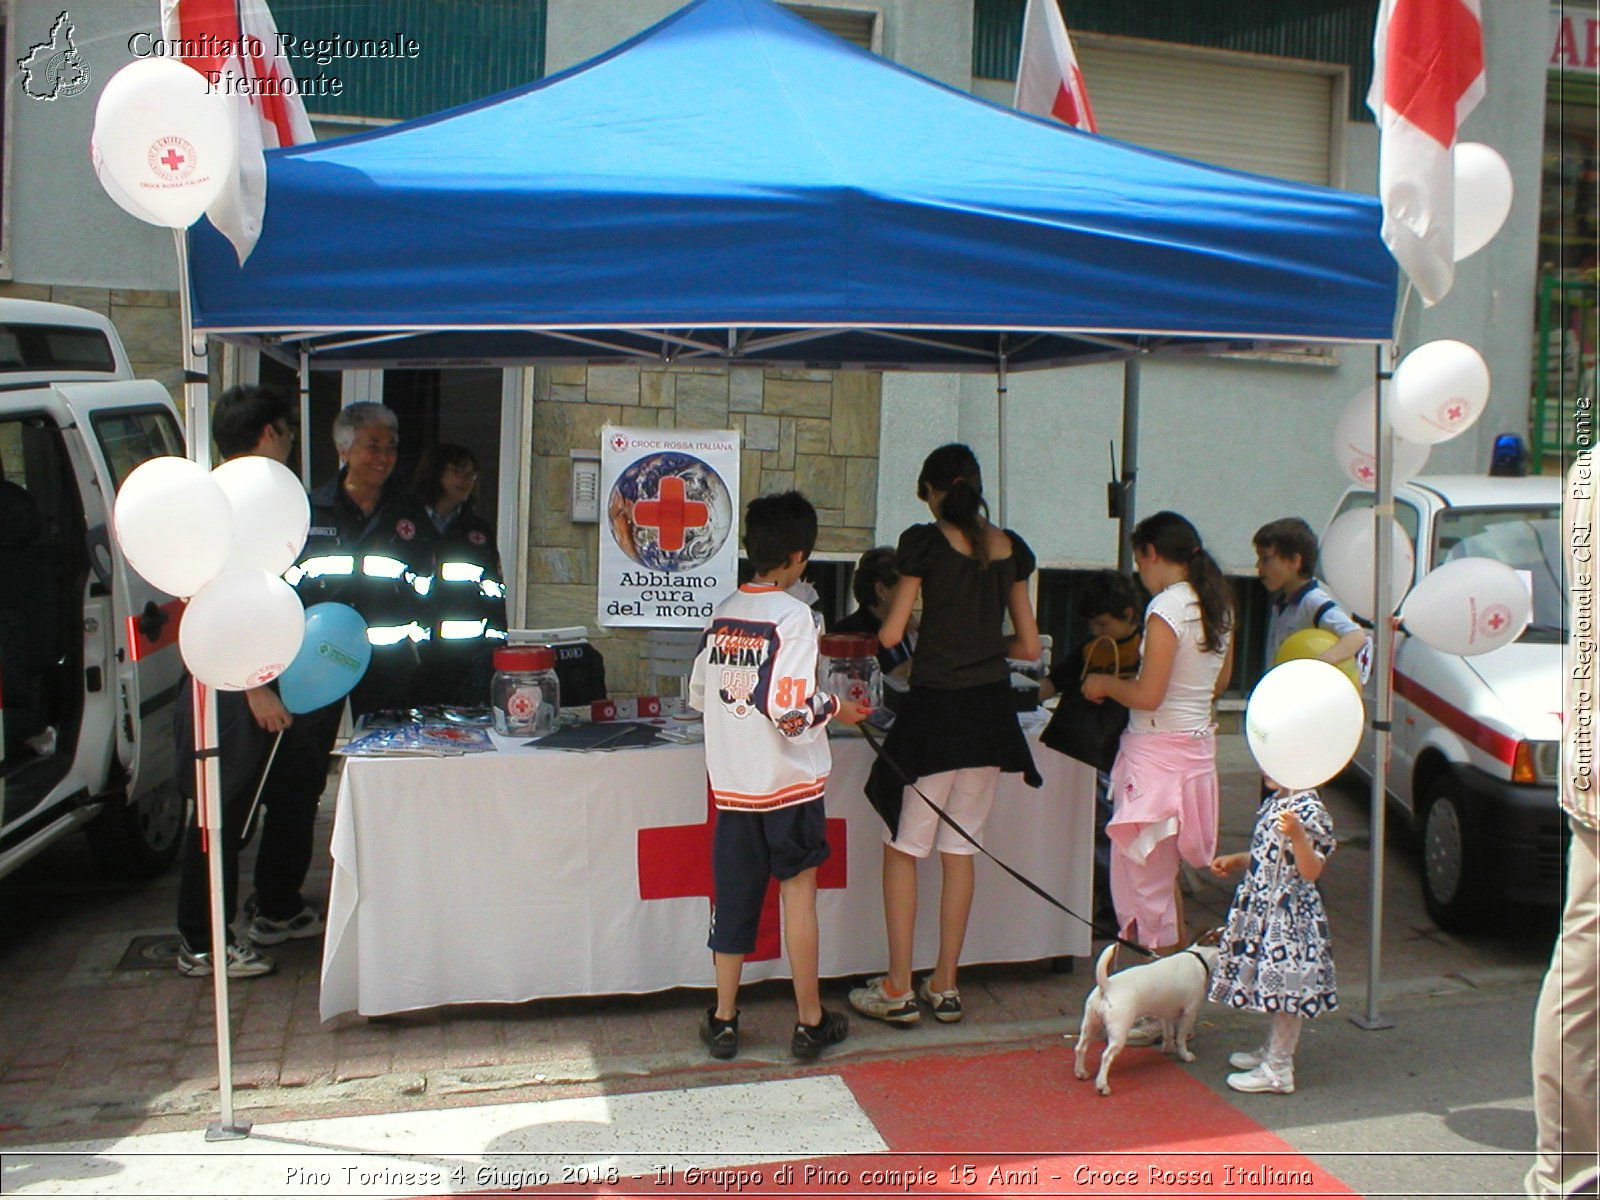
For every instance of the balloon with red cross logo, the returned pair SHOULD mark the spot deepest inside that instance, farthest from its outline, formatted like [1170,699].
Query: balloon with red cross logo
[1469,606]
[1440,389]
[670,511]
[164,145]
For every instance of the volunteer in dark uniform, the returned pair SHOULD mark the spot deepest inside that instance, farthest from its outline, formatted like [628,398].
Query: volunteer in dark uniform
[246,420]
[465,604]
[363,550]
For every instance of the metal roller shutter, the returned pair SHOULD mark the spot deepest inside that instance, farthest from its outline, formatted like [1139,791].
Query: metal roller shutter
[1251,114]
[853,25]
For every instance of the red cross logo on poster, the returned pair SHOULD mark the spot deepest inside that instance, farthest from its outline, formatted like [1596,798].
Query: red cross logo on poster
[670,514]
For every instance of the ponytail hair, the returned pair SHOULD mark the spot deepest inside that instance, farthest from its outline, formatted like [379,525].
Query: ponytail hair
[1175,540]
[953,470]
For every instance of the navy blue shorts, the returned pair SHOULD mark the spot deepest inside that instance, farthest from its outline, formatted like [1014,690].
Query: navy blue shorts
[747,850]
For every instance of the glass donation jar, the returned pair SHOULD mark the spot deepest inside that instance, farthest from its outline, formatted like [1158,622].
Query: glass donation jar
[524,694]
[849,668]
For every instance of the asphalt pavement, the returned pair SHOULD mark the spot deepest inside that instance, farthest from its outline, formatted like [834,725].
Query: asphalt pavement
[103,1039]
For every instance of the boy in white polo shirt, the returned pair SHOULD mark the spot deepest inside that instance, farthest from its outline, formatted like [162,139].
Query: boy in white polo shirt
[1286,557]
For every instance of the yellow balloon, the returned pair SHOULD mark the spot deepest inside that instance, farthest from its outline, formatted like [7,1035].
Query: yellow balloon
[1309,643]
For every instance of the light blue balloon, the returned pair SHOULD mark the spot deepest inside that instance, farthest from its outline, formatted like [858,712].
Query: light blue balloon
[332,659]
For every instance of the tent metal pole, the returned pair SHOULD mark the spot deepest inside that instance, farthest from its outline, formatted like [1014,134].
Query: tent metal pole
[1000,415]
[305,417]
[1383,693]
[208,762]
[1130,463]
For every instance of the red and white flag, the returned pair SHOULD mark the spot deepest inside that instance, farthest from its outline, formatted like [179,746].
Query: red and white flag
[1049,82]
[236,47]
[1427,75]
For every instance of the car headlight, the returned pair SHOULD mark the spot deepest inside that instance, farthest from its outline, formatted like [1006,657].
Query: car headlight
[1536,762]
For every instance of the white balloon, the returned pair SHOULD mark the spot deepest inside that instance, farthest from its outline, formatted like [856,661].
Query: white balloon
[1303,722]
[113,189]
[1348,562]
[165,139]
[270,513]
[1468,606]
[173,524]
[1355,439]
[241,630]
[1483,196]
[1440,389]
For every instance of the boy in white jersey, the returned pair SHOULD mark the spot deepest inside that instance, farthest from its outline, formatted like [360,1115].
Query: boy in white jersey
[767,756]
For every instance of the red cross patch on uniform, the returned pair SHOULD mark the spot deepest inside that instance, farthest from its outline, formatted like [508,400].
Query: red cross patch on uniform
[476,537]
[405,529]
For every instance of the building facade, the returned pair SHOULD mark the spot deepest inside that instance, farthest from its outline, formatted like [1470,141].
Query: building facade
[1229,441]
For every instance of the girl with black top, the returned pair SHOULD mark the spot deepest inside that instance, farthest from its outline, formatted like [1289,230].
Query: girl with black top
[957,728]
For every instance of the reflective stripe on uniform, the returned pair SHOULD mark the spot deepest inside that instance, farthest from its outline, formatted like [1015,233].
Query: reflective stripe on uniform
[460,572]
[322,567]
[391,635]
[381,566]
[462,630]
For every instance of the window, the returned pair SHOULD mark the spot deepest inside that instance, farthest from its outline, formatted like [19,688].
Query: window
[1266,116]
[130,437]
[39,348]
[1526,539]
[856,26]
[1405,513]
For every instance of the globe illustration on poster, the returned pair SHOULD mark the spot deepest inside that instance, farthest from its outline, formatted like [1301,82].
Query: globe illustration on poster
[670,511]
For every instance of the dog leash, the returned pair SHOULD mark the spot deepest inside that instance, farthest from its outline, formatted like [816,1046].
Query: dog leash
[878,749]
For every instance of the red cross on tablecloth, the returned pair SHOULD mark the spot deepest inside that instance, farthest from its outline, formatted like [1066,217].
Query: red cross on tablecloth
[670,514]
[675,861]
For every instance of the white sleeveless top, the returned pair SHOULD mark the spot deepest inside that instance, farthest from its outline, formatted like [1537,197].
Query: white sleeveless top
[1187,706]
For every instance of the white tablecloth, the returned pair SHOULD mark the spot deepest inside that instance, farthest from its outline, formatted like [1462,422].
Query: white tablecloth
[512,876]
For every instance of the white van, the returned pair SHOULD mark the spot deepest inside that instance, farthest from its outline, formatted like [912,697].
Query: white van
[89,664]
[1475,746]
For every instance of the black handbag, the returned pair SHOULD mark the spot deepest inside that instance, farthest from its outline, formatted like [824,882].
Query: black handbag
[1083,729]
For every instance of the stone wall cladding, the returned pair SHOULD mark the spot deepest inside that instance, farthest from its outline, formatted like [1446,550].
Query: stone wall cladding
[812,430]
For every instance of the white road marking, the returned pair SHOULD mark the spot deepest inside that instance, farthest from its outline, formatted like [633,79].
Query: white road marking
[505,1146]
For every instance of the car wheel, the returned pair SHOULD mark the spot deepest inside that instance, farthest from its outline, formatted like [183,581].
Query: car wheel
[141,839]
[1455,886]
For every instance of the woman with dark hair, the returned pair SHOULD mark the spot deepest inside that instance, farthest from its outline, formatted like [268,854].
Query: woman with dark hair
[1164,781]
[957,727]
[466,600]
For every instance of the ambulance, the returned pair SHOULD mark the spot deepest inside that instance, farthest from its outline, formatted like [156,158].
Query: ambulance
[1476,741]
[89,665]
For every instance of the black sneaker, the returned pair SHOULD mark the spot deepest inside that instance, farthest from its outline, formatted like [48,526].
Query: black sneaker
[811,1040]
[720,1037]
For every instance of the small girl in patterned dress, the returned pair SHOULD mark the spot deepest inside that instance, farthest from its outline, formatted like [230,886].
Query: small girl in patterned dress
[1276,953]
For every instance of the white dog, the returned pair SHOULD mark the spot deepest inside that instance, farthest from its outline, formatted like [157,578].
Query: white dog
[1170,990]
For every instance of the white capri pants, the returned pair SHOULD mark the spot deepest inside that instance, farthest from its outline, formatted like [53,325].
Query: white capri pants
[967,795]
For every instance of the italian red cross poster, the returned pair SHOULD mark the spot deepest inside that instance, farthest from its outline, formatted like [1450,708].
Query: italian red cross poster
[669,544]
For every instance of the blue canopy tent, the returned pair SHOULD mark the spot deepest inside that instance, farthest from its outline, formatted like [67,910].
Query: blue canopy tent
[737,184]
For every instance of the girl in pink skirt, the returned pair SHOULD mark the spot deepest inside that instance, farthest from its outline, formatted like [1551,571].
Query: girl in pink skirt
[1164,781]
